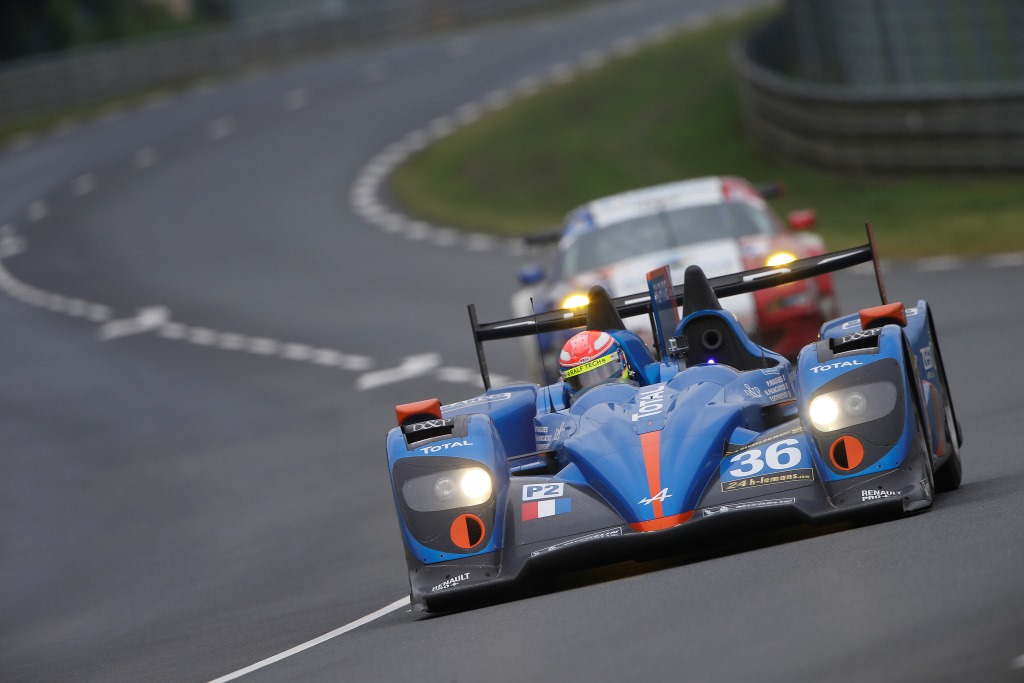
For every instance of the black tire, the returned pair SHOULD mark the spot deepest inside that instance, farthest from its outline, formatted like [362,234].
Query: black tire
[950,472]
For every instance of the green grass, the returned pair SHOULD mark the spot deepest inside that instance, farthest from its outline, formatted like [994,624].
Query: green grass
[671,112]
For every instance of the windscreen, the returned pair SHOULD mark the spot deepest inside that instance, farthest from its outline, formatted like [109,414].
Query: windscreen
[664,230]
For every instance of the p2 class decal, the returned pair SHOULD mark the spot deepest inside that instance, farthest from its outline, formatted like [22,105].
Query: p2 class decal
[764,462]
[846,453]
[467,531]
[542,491]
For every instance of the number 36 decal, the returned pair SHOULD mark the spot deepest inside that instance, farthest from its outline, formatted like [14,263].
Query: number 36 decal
[781,455]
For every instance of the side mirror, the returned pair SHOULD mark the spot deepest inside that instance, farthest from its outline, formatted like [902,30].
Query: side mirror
[770,190]
[802,219]
[531,274]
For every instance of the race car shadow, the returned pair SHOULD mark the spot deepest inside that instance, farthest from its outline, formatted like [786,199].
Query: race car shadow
[538,584]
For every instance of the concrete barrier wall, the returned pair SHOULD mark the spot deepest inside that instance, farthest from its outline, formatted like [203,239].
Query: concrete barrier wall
[875,124]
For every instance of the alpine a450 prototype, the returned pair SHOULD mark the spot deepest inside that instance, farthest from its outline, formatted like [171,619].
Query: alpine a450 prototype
[711,435]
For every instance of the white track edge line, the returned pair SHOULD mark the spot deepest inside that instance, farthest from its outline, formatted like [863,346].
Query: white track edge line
[397,604]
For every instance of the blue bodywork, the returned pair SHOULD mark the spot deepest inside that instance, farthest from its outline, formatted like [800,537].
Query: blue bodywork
[689,443]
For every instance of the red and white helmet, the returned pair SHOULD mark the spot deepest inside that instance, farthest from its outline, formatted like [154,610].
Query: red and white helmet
[590,358]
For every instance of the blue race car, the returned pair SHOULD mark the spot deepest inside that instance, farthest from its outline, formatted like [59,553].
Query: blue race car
[711,434]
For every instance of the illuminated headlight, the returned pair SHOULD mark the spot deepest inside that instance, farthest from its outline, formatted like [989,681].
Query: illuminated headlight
[447,490]
[575,301]
[853,406]
[780,258]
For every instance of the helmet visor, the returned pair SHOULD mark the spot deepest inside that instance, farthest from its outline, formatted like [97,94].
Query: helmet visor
[594,372]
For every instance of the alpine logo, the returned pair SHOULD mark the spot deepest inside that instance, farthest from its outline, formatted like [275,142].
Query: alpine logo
[660,496]
[836,366]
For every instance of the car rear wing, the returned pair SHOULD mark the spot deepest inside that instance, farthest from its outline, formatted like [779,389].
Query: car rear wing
[640,303]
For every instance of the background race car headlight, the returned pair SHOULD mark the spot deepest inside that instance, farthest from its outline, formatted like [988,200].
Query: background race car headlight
[780,258]
[848,407]
[575,301]
[448,490]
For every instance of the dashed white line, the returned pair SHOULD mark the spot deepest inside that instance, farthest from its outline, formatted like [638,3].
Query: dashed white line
[296,99]
[939,263]
[1005,260]
[396,605]
[145,157]
[263,347]
[1017,662]
[459,47]
[201,336]
[218,129]
[374,72]
[37,211]
[411,367]
[21,142]
[11,244]
[66,127]
[84,184]
[111,115]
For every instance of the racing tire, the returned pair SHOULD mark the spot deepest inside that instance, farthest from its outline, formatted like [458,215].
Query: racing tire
[949,474]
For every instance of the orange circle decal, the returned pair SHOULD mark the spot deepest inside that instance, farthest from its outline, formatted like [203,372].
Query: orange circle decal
[468,531]
[847,453]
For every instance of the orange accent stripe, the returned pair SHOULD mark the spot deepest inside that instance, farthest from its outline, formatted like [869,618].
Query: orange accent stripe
[650,444]
[663,523]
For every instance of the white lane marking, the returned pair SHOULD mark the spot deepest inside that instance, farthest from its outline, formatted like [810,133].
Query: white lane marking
[1005,260]
[10,243]
[1017,662]
[84,184]
[457,375]
[145,157]
[563,72]
[111,115]
[37,211]
[939,263]
[21,142]
[205,88]
[593,59]
[218,129]
[296,99]
[624,47]
[397,604]
[146,320]
[459,47]
[374,72]
[412,366]
[157,101]
[66,127]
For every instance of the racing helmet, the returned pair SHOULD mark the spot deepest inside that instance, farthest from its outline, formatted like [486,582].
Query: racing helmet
[590,358]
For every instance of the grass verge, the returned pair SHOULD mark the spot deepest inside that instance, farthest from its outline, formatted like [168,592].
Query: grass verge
[671,112]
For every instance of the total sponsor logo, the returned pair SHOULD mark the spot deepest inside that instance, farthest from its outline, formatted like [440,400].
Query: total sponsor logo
[835,366]
[751,505]
[450,582]
[444,446]
[650,402]
[877,494]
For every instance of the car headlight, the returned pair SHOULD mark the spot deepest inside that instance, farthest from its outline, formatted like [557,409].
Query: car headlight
[447,490]
[848,407]
[575,301]
[780,258]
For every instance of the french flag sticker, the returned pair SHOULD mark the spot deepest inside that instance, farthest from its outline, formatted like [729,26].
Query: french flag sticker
[546,508]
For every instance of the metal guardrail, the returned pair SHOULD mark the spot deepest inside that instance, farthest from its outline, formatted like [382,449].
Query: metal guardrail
[51,83]
[879,123]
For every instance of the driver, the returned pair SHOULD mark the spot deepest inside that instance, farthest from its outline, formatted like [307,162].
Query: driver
[590,358]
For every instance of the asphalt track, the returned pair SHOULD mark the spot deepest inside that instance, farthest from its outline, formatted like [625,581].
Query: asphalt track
[193,490]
